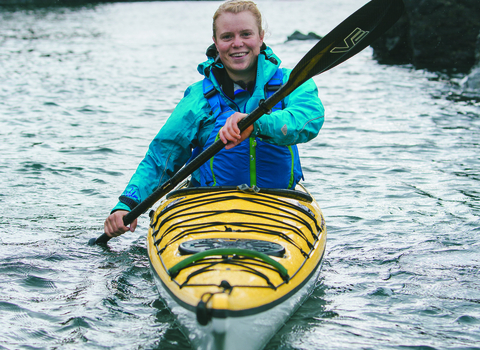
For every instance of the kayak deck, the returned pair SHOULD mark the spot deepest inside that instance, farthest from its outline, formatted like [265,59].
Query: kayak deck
[223,252]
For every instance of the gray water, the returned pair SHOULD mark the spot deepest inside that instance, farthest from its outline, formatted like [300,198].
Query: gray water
[395,169]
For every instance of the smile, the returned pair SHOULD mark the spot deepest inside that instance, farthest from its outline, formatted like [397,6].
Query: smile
[239,54]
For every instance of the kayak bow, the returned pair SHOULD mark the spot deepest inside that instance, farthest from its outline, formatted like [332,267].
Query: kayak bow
[231,263]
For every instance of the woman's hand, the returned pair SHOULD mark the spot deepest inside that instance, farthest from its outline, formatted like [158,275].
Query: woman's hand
[114,226]
[230,133]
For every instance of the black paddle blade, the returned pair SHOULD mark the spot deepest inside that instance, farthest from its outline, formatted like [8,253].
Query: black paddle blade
[100,240]
[347,39]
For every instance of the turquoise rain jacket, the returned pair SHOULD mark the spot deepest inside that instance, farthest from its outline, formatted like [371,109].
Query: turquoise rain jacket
[192,122]
[253,161]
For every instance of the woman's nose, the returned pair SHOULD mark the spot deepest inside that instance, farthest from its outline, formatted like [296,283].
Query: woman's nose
[237,42]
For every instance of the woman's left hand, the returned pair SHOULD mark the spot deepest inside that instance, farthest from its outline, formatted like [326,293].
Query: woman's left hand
[230,133]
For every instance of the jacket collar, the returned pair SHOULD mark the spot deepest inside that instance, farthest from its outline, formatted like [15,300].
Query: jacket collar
[267,65]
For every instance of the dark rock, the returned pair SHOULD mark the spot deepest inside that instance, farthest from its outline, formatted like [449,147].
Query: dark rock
[471,83]
[433,34]
[300,36]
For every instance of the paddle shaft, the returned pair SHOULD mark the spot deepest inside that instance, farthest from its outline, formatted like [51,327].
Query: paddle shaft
[346,40]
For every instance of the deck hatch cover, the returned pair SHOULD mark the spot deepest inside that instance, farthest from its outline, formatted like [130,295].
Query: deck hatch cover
[201,245]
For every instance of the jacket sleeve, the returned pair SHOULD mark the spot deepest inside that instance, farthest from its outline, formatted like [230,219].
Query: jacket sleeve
[168,152]
[300,120]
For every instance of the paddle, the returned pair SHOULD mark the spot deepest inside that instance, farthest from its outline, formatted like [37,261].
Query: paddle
[346,40]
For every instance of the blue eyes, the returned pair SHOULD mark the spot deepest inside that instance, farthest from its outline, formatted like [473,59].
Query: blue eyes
[228,37]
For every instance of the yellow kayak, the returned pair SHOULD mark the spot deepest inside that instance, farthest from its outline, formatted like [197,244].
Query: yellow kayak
[233,264]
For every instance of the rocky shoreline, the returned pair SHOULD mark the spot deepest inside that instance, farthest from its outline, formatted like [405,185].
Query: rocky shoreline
[433,34]
[437,35]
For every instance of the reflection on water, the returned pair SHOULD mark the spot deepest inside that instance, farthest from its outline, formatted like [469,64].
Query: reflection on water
[395,169]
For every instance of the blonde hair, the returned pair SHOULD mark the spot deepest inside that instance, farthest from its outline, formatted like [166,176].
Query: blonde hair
[237,6]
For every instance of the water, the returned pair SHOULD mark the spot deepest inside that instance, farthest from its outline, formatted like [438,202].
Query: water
[395,169]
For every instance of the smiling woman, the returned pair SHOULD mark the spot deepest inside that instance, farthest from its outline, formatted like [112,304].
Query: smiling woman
[238,39]
[240,72]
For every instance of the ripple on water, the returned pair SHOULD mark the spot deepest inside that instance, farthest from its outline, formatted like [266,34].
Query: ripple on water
[88,150]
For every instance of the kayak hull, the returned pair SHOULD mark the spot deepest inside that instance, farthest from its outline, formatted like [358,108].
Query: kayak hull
[234,265]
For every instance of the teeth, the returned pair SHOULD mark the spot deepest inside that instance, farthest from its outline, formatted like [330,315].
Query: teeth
[238,54]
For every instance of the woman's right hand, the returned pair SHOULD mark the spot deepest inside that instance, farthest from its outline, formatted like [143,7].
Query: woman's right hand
[114,226]
[230,132]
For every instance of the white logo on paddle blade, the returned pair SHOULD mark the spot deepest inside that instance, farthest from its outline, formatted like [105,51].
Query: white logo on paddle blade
[351,40]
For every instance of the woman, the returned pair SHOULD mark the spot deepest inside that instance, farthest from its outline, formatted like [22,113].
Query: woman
[240,72]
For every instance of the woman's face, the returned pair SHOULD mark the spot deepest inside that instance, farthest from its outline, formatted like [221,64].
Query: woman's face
[238,42]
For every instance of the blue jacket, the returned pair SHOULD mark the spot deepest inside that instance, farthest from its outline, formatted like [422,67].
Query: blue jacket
[192,122]
[254,161]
